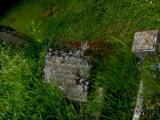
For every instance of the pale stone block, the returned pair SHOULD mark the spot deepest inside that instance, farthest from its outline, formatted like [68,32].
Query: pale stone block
[69,69]
[145,43]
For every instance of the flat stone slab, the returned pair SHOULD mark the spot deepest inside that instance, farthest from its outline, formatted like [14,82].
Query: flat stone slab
[9,35]
[69,69]
[145,42]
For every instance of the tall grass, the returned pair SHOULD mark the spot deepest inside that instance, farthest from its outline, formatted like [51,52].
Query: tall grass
[48,22]
[23,93]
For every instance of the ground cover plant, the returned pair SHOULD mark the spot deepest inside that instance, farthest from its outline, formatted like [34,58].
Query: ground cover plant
[23,94]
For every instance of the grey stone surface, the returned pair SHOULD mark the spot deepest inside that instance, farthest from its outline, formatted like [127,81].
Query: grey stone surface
[9,36]
[69,69]
[145,42]
[139,103]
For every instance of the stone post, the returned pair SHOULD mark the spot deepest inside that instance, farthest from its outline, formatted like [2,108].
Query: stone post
[145,43]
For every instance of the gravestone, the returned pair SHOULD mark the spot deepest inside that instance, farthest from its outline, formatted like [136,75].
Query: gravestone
[69,69]
[145,43]
[9,35]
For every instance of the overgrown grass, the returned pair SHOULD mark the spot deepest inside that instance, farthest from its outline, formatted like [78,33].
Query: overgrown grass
[151,75]
[25,96]
[23,93]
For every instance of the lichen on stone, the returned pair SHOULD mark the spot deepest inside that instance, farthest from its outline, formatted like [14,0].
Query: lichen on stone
[69,69]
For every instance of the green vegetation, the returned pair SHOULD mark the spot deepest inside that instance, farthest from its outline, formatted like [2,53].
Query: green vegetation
[23,94]
[151,74]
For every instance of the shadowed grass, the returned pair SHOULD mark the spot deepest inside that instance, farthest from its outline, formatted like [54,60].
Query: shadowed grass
[24,95]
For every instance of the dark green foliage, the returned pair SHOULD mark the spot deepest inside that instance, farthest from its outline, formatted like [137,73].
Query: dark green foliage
[48,23]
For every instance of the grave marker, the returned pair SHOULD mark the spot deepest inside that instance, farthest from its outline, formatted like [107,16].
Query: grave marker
[145,43]
[9,35]
[69,69]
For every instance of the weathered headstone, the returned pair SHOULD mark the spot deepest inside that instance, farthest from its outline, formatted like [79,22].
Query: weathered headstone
[69,69]
[145,43]
[9,35]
